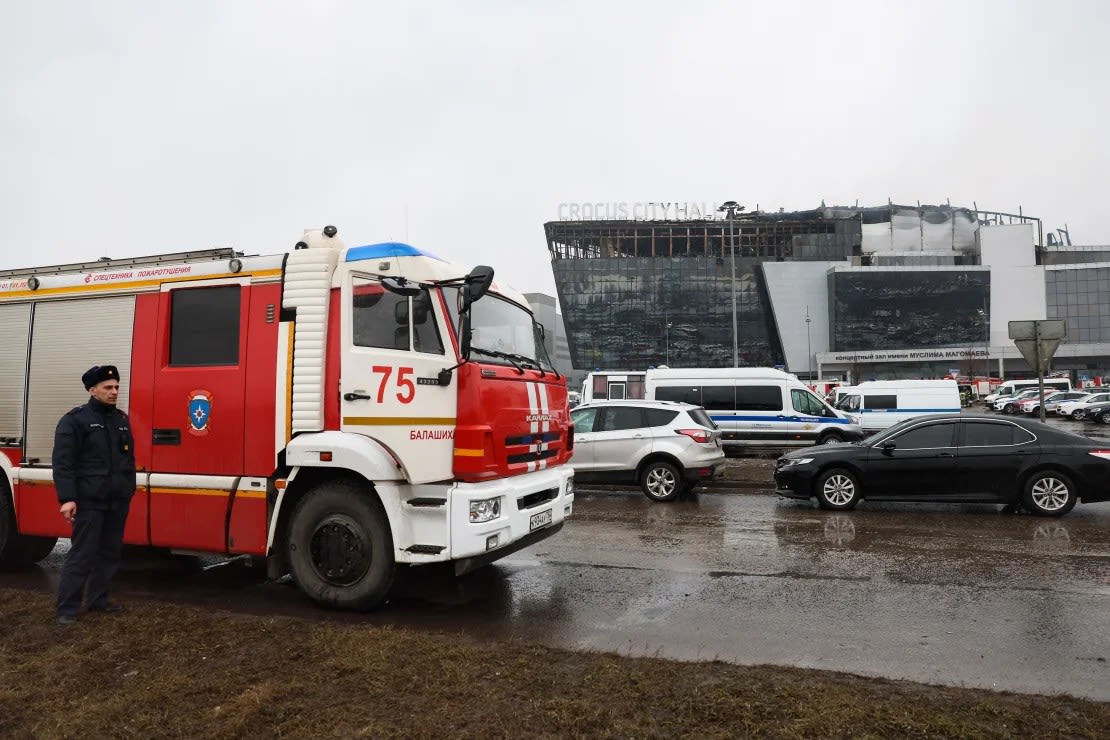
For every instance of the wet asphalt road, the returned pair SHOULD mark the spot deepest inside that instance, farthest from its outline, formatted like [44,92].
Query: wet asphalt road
[956,595]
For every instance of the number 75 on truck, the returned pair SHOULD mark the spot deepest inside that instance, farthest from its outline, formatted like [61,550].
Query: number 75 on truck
[339,413]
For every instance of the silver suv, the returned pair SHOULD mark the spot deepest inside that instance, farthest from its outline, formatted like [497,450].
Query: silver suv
[666,447]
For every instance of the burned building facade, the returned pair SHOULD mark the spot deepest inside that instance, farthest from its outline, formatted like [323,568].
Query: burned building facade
[887,291]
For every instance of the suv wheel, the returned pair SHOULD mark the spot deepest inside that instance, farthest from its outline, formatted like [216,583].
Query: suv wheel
[661,481]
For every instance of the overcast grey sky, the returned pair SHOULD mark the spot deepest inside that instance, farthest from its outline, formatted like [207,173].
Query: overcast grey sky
[141,127]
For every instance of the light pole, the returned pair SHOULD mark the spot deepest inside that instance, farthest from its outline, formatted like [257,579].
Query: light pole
[668,335]
[809,347]
[985,318]
[731,208]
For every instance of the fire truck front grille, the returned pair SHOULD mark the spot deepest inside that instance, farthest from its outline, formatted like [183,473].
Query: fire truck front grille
[538,498]
[532,456]
[532,439]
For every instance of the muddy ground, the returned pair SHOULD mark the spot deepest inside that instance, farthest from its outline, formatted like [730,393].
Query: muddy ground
[162,670]
[750,470]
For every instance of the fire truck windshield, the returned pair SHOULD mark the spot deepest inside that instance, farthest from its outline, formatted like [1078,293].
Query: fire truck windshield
[502,332]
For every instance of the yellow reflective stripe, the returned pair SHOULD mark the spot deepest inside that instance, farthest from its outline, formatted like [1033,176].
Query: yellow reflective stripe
[191,491]
[207,492]
[469,453]
[395,421]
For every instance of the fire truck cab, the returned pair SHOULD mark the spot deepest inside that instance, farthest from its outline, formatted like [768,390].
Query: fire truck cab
[334,411]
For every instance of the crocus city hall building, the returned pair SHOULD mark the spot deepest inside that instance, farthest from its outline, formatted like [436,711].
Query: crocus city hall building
[891,291]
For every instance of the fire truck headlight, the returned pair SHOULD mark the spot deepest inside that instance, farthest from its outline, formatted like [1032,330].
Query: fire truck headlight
[485,510]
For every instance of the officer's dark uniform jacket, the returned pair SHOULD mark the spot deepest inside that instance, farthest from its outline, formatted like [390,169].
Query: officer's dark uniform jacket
[94,456]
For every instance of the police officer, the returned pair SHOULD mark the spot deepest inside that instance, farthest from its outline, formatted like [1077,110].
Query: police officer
[94,474]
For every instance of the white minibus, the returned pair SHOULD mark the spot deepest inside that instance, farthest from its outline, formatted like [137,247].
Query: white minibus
[755,406]
[879,404]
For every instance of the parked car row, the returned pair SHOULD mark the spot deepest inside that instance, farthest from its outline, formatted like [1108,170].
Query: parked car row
[669,447]
[1077,405]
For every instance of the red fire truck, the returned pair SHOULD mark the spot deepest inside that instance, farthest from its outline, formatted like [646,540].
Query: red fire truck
[339,412]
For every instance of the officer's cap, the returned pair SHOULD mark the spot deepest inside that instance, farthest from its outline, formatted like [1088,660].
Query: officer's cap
[97,374]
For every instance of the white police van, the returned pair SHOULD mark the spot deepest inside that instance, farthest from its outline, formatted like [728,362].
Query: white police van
[755,406]
[878,404]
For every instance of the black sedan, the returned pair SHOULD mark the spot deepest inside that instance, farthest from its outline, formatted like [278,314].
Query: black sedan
[1097,412]
[956,459]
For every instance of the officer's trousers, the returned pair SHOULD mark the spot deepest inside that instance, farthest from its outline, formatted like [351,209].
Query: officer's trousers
[93,557]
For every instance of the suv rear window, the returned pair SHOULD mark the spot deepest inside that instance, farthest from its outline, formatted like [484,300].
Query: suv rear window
[702,418]
[659,417]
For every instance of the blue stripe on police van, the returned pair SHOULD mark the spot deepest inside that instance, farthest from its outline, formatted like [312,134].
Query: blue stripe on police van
[807,419]
[911,411]
[387,249]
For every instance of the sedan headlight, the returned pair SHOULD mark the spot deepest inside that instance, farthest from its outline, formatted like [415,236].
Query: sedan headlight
[793,462]
[485,510]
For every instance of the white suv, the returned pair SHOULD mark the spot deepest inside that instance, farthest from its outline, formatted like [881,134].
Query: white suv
[666,447]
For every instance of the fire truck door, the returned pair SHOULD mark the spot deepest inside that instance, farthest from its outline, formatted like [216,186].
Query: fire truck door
[394,348]
[200,379]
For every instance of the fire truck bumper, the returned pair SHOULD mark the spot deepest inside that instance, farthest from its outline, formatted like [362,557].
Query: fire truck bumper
[466,565]
[529,508]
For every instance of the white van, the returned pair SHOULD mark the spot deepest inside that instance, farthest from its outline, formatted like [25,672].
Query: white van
[837,394]
[1013,387]
[879,404]
[612,385]
[755,406]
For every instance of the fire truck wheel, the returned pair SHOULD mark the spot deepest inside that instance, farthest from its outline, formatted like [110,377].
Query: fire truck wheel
[17,550]
[340,548]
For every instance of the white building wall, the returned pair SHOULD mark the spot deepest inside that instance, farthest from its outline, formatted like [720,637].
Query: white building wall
[1007,245]
[1017,294]
[1017,282]
[793,287]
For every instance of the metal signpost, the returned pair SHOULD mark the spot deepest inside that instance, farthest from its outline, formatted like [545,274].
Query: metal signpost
[1037,341]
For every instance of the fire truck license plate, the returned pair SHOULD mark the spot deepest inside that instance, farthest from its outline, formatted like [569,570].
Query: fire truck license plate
[539,520]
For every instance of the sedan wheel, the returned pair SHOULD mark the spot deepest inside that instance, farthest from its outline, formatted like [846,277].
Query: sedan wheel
[837,489]
[1049,493]
[660,481]
[1105,418]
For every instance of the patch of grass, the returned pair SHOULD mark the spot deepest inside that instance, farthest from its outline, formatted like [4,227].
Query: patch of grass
[161,670]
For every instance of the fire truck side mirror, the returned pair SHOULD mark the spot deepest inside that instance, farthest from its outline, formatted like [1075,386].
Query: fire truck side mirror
[475,285]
